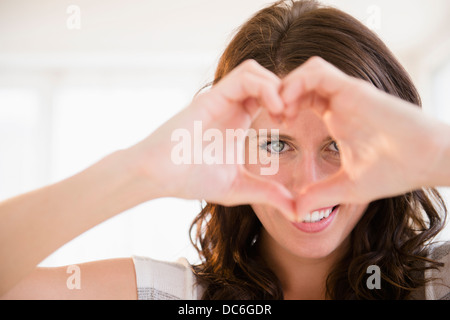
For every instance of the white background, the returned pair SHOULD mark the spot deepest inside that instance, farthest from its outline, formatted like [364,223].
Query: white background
[68,96]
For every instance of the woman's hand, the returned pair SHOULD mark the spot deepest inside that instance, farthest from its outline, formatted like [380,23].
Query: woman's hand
[387,146]
[231,104]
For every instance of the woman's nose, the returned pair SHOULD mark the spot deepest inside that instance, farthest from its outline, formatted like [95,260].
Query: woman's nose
[307,171]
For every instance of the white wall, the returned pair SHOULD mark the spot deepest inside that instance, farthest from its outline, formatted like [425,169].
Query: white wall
[70,96]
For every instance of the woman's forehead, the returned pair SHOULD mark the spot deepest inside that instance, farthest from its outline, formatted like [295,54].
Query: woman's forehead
[307,125]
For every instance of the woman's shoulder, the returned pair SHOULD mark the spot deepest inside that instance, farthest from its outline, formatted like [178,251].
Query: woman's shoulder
[440,250]
[165,280]
[439,288]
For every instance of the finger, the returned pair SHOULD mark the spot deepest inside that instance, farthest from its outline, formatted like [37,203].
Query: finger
[253,107]
[315,75]
[310,100]
[266,92]
[250,188]
[277,110]
[326,193]
[278,114]
[250,80]
[259,70]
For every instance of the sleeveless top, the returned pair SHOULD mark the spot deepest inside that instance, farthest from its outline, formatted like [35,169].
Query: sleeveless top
[160,280]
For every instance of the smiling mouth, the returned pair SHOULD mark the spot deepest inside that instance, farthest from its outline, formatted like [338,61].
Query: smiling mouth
[318,220]
[319,215]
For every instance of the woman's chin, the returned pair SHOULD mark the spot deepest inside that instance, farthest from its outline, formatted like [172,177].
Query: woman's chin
[316,249]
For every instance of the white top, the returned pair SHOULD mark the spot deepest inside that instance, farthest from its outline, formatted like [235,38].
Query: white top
[160,280]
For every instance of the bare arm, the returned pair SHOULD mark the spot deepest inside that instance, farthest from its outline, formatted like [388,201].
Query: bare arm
[35,224]
[100,280]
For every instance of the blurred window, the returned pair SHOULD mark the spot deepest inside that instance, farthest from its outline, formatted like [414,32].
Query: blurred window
[20,141]
[441,92]
[57,129]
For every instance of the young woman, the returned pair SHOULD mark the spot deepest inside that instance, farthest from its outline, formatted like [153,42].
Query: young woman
[357,162]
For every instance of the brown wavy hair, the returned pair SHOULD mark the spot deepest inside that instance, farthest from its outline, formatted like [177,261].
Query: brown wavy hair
[393,233]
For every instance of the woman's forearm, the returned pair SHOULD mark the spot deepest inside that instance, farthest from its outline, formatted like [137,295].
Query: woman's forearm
[441,172]
[35,224]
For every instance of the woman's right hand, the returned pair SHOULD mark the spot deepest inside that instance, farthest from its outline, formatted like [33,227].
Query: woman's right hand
[35,224]
[230,104]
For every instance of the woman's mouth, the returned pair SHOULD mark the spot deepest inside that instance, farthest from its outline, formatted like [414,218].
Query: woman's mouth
[317,220]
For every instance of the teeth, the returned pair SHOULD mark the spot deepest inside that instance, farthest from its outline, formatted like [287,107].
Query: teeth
[307,218]
[316,216]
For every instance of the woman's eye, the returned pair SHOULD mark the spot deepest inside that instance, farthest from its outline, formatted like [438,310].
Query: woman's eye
[334,147]
[276,146]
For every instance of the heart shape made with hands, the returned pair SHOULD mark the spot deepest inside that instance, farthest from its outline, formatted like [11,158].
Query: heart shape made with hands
[355,113]
[326,90]
[234,103]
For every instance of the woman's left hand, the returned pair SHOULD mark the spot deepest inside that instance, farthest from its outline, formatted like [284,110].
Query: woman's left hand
[387,146]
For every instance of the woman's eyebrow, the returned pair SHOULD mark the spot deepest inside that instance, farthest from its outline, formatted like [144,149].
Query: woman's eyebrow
[286,137]
[269,135]
[328,139]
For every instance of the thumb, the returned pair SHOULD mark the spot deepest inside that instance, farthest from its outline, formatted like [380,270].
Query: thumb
[326,193]
[251,188]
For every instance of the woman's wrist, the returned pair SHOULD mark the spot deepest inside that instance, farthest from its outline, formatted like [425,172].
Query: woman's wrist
[443,167]
[439,169]
[139,181]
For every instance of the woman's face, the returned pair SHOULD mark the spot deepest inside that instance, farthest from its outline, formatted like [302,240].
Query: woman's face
[306,154]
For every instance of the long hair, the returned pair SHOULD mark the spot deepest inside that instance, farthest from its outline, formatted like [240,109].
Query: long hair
[393,233]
